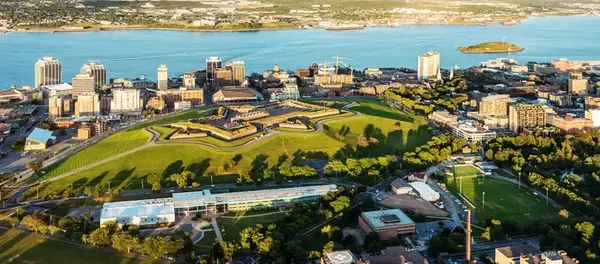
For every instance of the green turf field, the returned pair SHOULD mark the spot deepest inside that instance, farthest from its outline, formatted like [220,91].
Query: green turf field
[231,227]
[502,199]
[466,171]
[32,248]
[126,172]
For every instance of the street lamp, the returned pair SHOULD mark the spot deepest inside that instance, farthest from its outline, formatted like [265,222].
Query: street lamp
[483,201]
[519,180]
[546,196]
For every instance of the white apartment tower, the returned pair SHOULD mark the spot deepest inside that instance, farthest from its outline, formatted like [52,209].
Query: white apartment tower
[212,63]
[47,72]
[126,100]
[429,66]
[96,70]
[162,78]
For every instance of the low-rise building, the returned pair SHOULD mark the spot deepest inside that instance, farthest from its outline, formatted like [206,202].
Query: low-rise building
[170,96]
[140,212]
[442,117]
[570,124]
[425,191]
[398,255]
[471,130]
[492,122]
[400,187]
[156,103]
[39,139]
[182,105]
[87,104]
[417,176]
[386,223]
[234,95]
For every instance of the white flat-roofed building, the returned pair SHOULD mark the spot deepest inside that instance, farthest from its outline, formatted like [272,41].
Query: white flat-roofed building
[243,201]
[425,191]
[57,89]
[139,212]
[471,131]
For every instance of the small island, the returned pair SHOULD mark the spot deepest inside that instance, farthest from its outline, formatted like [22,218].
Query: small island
[491,47]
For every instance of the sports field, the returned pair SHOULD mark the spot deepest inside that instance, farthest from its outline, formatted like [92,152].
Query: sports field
[126,172]
[24,247]
[466,171]
[502,199]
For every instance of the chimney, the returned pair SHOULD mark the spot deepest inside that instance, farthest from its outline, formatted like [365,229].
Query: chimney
[468,236]
[402,259]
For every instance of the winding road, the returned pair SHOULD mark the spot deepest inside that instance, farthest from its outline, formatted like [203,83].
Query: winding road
[156,135]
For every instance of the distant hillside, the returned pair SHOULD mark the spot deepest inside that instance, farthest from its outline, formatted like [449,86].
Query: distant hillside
[491,47]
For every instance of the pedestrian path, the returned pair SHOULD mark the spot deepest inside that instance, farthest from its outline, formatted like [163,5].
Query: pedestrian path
[217,230]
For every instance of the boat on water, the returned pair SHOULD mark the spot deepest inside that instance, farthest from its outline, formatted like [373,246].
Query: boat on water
[345,27]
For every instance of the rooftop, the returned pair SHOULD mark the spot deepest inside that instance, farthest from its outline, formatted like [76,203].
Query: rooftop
[150,207]
[232,92]
[517,251]
[59,87]
[40,135]
[200,198]
[339,257]
[391,217]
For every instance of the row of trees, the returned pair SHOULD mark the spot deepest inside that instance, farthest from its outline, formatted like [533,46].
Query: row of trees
[436,150]
[425,99]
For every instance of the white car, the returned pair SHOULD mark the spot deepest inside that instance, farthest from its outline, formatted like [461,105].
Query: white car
[535,193]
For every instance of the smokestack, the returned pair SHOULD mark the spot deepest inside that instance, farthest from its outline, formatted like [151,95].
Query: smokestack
[468,236]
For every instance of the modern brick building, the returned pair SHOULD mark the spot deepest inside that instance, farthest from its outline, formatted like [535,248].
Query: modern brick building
[386,223]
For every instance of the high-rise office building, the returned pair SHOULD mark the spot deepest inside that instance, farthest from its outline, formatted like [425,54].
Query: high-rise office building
[577,84]
[429,66]
[48,71]
[96,70]
[238,71]
[494,105]
[212,63]
[223,77]
[83,82]
[162,79]
[526,116]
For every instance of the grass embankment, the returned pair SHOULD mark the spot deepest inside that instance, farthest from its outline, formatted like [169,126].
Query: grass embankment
[120,142]
[126,172]
[21,247]
[491,47]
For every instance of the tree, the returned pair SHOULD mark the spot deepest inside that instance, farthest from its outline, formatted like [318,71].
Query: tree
[362,141]
[67,224]
[156,246]
[12,221]
[134,230]
[340,204]
[195,185]
[182,178]
[35,224]
[328,248]
[156,181]
[397,125]
[20,211]
[244,176]
[68,192]
[99,237]
[35,165]
[267,174]
[124,242]
[586,229]
[328,230]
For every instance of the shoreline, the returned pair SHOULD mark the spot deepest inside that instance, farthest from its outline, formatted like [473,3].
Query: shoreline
[96,28]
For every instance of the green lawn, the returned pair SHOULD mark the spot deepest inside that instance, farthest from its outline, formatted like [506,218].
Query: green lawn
[203,246]
[127,172]
[502,199]
[466,171]
[32,248]
[231,227]
[118,143]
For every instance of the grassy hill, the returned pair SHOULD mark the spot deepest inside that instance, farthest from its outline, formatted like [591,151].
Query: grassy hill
[491,47]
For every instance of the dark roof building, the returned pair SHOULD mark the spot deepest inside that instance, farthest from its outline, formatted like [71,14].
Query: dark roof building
[236,95]
[398,255]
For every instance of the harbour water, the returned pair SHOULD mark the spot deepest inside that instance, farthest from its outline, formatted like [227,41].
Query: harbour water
[131,53]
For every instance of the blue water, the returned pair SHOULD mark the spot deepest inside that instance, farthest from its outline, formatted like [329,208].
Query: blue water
[133,53]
